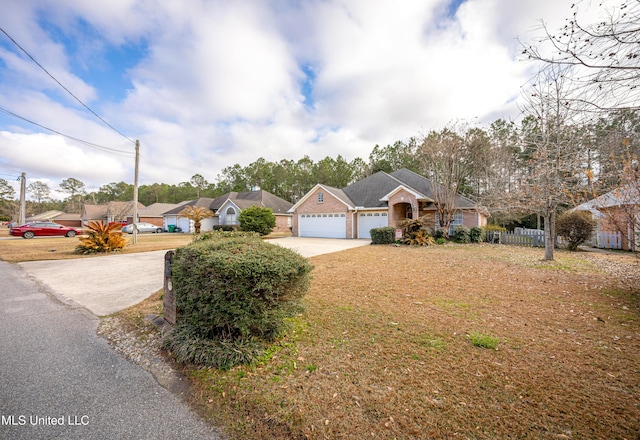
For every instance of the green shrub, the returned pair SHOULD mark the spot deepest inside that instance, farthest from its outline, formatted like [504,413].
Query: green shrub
[461,234]
[385,235]
[441,240]
[575,227]
[257,219]
[494,228]
[440,233]
[226,228]
[476,235]
[492,232]
[233,292]
[222,234]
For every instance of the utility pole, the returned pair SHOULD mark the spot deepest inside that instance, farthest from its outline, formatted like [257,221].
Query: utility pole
[23,201]
[135,194]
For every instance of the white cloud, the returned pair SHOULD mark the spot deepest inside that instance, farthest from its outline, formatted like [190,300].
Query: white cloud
[220,83]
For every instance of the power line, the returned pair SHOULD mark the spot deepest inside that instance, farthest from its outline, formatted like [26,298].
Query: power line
[89,144]
[13,176]
[61,85]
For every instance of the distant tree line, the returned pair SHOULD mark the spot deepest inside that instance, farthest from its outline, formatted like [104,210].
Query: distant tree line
[485,164]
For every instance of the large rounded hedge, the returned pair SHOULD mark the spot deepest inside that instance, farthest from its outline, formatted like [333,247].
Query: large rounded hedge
[233,293]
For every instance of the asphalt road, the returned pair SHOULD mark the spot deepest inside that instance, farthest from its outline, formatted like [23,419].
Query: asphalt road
[59,380]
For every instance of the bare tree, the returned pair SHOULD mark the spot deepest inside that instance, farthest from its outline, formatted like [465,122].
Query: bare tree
[445,159]
[501,167]
[551,149]
[603,57]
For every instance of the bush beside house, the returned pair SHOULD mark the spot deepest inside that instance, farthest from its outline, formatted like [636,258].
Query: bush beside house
[257,219]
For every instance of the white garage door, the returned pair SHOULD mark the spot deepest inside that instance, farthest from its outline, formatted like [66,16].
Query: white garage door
[370,220]
[322,225]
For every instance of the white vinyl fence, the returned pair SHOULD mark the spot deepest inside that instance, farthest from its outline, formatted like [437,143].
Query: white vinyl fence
[609,240]
[519,237]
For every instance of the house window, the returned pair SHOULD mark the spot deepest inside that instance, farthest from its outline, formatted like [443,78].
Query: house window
[456,220]
[231,216]
[320,197]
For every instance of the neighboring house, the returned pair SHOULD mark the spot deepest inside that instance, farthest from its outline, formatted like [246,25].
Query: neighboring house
[617,214]
[44,216]
[228,207]
[379,200]
[110,212]
[72,220]
[173,217]
[58,217]
[154,213]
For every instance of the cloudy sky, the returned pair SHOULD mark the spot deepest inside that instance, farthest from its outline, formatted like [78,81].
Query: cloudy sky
[205,84]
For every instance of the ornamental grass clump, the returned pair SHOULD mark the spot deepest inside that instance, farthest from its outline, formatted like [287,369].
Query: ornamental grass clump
[233,293]
[101,238]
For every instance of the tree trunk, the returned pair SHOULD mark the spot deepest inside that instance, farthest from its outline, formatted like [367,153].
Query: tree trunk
[549,234]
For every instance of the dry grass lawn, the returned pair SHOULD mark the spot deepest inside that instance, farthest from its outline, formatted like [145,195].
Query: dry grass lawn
[59,248]
[384,350]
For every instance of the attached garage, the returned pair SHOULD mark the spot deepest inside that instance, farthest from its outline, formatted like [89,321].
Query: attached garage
[322,225]
[181,222]
[370,220]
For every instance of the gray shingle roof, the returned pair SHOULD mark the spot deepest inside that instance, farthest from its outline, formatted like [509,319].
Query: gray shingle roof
[157,209]
[243,200]
[424,186]
[368,191]
[202,201]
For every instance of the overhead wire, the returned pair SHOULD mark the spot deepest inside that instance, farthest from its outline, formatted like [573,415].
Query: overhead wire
[89,144]
[66,89]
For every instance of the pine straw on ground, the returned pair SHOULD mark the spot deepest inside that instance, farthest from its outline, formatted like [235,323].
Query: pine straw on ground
[383,350]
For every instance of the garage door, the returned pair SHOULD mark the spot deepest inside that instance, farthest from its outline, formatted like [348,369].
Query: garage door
[370,220]
[322,225]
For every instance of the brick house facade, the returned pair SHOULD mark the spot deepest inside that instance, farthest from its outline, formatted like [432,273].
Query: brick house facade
[378,200]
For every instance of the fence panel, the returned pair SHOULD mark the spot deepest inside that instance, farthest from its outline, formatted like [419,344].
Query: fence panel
[529,239]
[609,240]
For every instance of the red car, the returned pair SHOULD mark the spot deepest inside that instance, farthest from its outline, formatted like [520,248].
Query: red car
[42,229]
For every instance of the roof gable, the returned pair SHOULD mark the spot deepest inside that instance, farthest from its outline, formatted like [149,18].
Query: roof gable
[410,190]
[425,186]
[335,192]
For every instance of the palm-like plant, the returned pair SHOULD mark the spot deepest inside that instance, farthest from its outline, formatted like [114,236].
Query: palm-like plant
[101,238]
[197,214]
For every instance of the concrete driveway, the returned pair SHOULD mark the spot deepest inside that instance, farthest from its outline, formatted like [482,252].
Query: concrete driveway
[111,283]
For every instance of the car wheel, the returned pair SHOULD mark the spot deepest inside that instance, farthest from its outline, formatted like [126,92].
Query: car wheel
[71,234]
[28,234]
[159,230]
